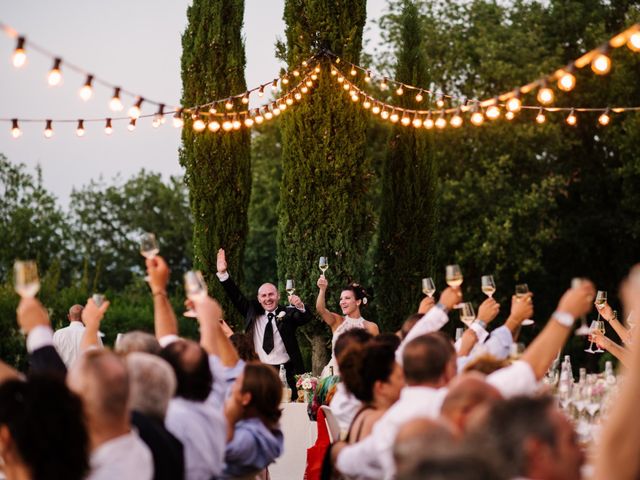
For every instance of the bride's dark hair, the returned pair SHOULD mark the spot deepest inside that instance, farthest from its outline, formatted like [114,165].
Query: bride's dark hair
[359,292]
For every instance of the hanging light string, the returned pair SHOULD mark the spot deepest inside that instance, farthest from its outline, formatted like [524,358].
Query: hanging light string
[54,78]
[598,58]
[225,120]
[441,118]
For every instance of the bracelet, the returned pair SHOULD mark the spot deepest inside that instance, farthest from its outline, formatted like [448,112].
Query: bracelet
[563,318]
[162,293]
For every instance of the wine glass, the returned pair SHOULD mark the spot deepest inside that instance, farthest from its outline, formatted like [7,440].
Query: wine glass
[467,313]
[600,326]
[290,287]
[601,300]
[323,264]
[488,285]
[583,329]
[195,288]
[454,276]
[149,245]
[25,278]
[592,327]
[521,291]
[98,299]
[428,287]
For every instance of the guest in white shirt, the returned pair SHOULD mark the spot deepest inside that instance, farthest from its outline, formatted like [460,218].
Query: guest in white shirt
[67,340]
[100,378]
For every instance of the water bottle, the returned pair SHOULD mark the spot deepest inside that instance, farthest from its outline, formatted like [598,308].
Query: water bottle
[583,376]
[286,391]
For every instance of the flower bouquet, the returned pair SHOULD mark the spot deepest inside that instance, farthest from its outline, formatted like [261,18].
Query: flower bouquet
[306,383]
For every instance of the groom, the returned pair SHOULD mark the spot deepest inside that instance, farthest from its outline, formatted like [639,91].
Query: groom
[272,326]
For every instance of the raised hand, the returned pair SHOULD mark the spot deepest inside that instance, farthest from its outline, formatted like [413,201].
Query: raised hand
[92,314]
[158,272]
[521,308]
[488,310]
[578,301]
[31,314]
[450,297]
[606,311]
[296,302]
[221,261]
[426,304]
[322,283]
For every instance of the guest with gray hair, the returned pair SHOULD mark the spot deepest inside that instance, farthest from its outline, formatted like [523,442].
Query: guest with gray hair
[137,341]
[152,383]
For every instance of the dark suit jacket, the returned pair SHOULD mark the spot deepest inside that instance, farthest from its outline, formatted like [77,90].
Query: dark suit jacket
[287,325]
[46,361]
[167,450]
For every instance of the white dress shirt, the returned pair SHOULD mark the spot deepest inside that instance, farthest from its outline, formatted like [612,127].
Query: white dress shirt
[344,406]
[126,458]
[278,355]
[67,342]
[372,458]
[432,321]
[498,345]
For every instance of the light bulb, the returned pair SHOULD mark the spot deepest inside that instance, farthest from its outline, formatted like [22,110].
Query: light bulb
[353,72]
[289,101]
[282,106]
[572,119]
[274,85]
[540,118]
[245,99]
[314,77]
[317,69]
[258,119]
[477,118]
[15,128]
[366,104]
[268,115]
[132,125]
[304,63]
[304,90]
[213,110]
[80,128]
[604,119]
[298,96]
[227,125]
[55,75]
[237,124]
[248,122]
[514,104]
[428,123]
[19,57]
[456,120]
[634,42]
[276,112]
[228,105]
[545,96]
[384,114]
[108,128]
[334,72]
[48,130]
[178,122]
[261,91]
[346,86]
[399,90]
[86,92]
[213,126]
[285,80]
[567,82]
[440,101]
[375,109]
[394,117]
[199,125]
[135,110]
[493,112]
[384,85]
[296,73]
[367,77]
[441,122]
[156,122]
[601,64]
[509,115]
[309,83]
[355,98]
[405,121]
[419,97]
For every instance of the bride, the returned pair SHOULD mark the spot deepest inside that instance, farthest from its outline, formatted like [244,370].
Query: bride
[351,298]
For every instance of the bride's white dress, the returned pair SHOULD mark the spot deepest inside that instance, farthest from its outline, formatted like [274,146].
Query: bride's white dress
[347,324]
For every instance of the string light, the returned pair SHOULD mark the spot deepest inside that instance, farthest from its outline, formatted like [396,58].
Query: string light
[634,42]
[493,112]
[601,64]
[604,119]
[214,126]
[227,125]
[571,118]
[132,125]
[55,75]
[289,101]
[135,110]
[419,97]
[477,118]
[258,118]
[178,121]
[15,128]
[245,98]
[80,128]
[48,130]
[86,92]
[367,77]
[116,104]
[285,80]
[274,85]
[567,81]
[405,120]
[540,118]
[384,114]
[394,117]
[514,104]
[353,72]
[366,104]
[399,90]
[375,109]
[108,129]
[441,122]
[304,89]
[509,115]
[296,73]
[268,115]
[19,57]
[297,96]
[428,122]
[198,123]
[248,122]
[545,95]
[261,91]
[440,101]
[416,122]
[456,120]
[384,85]
[237,124]
[228,105]
[158,118]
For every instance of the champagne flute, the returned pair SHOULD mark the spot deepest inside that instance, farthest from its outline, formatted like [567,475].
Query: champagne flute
[521,291]
[149,248]
[323,264]
[290,287]
[601,299]
[195,288]
[488,285]
[428,287]
[600,327]
[592,327]
[583,329]
[467,313]
[25,278]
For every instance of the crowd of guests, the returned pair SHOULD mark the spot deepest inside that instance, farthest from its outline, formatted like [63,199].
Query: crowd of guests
[411,405]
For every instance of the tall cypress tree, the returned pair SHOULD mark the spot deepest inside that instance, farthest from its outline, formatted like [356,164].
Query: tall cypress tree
[405,250]
[218,165]
[325,173]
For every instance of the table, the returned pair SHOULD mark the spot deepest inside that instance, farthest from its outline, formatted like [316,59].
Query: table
[300,433]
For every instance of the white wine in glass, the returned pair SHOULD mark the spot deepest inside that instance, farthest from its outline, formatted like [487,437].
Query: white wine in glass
[98,299]
[454,276]
[149,245]
[601,300]
[467,313]
[25,278]
[195,288]
[488,285]
[290,287]
[428,287]
[601,328]
[323,264]
[521,291]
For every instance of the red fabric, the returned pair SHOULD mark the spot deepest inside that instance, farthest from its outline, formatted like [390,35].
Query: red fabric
[315,454]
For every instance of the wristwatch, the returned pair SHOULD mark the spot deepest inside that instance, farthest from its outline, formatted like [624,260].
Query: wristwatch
[563,318]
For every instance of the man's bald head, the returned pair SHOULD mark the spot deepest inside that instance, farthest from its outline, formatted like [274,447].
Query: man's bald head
[467,393]
[268,296]
[75,313]
[418,436]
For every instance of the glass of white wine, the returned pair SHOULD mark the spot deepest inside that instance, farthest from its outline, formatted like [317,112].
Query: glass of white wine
[98,299]
[592,327]
[583,329]
[467,313]
[428,287]
[488,285]
[195,288]
[521,291]
[290,287]
[25,278]
[149,248]
[454,276]
[323,264]
[601,300]
[600,327]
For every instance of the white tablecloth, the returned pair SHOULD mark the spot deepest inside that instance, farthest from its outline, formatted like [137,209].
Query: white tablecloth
[299,434]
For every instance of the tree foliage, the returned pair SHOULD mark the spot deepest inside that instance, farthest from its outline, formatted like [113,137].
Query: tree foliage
[218,165]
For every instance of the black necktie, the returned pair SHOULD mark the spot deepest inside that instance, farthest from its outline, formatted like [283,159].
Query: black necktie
[267,340]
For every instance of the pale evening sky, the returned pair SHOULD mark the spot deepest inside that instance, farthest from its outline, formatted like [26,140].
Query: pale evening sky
[132,43]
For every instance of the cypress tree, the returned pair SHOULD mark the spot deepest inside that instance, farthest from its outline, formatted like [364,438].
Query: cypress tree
[218,165]
[405,250]
[325,173]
